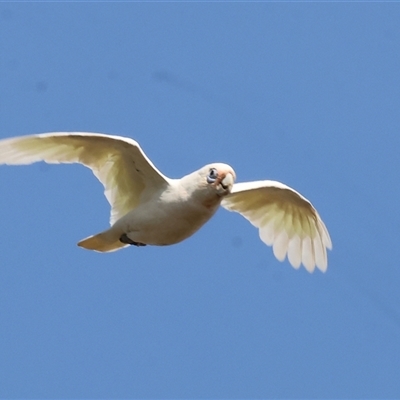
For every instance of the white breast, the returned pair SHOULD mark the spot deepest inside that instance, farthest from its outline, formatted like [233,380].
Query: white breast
[166,219]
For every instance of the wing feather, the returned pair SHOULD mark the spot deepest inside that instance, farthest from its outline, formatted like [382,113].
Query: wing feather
[286,220]
[280,245]
[294,251]
[118,163]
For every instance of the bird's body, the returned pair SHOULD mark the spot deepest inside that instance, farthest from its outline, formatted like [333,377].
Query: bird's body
[148,208]
[170,216]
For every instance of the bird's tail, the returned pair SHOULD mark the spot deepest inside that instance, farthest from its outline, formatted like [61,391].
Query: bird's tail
[103,242]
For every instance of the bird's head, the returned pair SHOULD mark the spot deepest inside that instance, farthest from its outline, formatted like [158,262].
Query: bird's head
[218,178]
[210,183]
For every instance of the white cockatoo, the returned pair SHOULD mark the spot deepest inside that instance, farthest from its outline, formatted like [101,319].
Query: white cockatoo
[148,208]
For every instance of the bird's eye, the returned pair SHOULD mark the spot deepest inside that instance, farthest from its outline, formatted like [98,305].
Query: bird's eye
[212,176]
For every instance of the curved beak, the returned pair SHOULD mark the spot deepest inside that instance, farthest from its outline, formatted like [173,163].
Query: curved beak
[228,181]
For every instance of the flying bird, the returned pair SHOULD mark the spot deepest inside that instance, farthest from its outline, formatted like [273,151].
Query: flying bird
[148,208]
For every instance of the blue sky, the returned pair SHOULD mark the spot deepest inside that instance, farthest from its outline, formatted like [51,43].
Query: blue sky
[304,93]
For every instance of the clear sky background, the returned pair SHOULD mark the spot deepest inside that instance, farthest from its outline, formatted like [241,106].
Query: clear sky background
[304,93]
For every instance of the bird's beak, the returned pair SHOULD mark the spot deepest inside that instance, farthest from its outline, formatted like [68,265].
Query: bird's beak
[227,183]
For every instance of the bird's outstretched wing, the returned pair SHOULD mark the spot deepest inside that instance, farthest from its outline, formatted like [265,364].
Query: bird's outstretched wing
[286,220]
[119,163]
